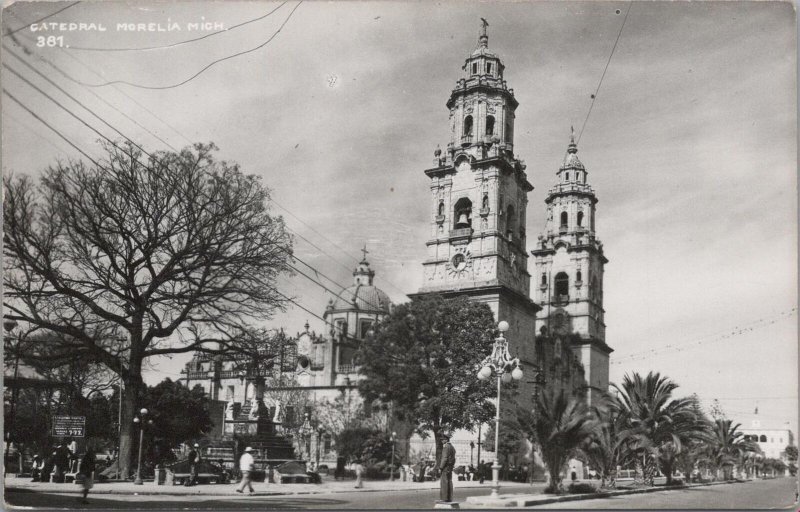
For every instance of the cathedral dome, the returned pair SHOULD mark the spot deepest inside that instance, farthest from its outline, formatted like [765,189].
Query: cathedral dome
[363,295]
[363,298]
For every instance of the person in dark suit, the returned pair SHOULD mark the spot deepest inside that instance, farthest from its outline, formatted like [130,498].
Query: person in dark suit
[446,464]
[193,460]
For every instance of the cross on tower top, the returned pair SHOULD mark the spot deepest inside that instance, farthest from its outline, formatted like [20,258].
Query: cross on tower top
[365,251]
[484,38]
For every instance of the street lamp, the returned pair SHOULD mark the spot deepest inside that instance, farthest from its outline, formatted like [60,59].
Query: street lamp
[391,468]
[141,423]
[506,368]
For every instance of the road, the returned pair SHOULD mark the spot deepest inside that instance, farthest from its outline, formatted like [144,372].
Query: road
[778,493]
[758,494]
[422,499]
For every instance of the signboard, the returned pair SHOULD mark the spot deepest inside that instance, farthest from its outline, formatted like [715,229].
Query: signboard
[69,426]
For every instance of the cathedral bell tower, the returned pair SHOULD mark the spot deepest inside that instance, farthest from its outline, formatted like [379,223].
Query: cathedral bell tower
[479,201]
[568,262]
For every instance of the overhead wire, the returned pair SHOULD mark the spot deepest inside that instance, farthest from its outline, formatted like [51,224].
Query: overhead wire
[16,73]
[31,112]
[69,77]
[597,90]
[179,43]
[11,32]
[729,333]
[204,69]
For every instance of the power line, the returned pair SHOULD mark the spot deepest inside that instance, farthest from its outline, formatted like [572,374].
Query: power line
[18,75]
[172,86]
[31,112]
[66,75]
[49,141]
[45,77]
[735,331]
[41,19]
[162,47]
[594,96]
[68,111]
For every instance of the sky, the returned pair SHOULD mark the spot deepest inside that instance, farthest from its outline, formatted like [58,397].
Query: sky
[690,147]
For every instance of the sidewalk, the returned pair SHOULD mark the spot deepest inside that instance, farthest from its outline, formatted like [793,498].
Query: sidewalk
[262,489]
[530,500]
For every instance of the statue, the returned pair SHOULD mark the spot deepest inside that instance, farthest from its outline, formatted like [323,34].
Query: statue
[278,418]
[229,409]
[254,409]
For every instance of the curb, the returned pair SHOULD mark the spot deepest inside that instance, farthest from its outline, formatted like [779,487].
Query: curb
[226,493]
[537,500]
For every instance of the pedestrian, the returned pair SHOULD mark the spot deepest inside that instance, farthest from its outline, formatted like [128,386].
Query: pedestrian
[246,466]
[446,464]
[193,459]
[36,470]
[359,473]
[86,469]
[482,470]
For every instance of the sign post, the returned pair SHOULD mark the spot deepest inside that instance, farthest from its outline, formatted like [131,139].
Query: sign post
[69,426]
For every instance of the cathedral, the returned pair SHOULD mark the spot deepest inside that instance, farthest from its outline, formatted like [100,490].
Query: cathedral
[477,247]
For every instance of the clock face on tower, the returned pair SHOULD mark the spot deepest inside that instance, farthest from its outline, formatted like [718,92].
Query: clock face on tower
[460,264]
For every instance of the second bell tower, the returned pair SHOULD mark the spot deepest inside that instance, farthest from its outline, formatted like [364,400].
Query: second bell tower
[479,197]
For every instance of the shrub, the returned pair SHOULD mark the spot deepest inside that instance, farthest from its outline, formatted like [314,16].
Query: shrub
[676,482]
[582,488]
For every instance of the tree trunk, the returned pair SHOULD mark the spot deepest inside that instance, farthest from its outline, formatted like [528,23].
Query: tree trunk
[437,439]
[667,467]
[130,399]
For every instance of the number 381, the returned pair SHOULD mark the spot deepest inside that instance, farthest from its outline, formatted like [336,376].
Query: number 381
[50,41]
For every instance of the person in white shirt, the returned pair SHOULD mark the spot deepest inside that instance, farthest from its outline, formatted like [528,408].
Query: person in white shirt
[246,466]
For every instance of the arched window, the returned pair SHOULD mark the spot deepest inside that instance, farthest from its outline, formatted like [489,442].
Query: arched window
[462,214]
[508,132]
[474,68]
[593,289]
[441,208]
[578,276]
[488,68]
[566,176]
[485,203]
[562,286]
[763,438]
[489,125]
[544,279]
[580,218]
[564,219]
[468,125]
[509,222]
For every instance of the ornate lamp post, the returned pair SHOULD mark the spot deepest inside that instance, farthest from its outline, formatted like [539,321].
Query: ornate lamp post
[305,434]
[141,423]
[506,368]
[393,438]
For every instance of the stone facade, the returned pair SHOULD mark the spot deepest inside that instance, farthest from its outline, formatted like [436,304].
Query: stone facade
[479,198]
[568,273]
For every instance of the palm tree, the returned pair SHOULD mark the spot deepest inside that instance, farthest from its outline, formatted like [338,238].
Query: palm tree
[561,424]
[727,446]
[605,449]
[658,426]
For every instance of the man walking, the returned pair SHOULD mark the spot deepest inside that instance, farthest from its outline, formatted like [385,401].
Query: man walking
[446,465]
[246,466]
[193,459]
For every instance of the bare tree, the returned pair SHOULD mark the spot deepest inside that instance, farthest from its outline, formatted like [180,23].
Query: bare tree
[136,256]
